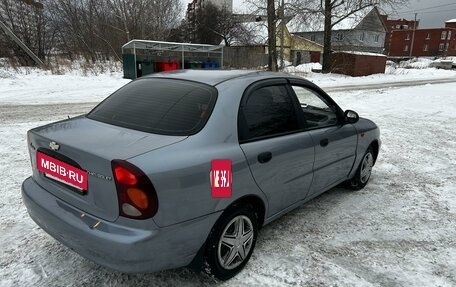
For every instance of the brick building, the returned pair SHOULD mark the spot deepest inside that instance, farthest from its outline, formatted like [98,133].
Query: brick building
[435,42]
[396,24]
[450,23]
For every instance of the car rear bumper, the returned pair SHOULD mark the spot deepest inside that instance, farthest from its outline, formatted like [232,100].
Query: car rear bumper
[114,245]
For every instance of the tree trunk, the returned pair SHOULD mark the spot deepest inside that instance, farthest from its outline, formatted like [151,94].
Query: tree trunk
[272,51]
[327,38]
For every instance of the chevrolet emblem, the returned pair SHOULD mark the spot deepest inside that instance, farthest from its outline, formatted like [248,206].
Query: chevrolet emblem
[54,146]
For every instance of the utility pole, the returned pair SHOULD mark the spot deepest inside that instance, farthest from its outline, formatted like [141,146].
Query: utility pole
[21,44]
[413,36]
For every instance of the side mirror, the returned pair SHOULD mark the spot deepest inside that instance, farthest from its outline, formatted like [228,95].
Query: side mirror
[351,117]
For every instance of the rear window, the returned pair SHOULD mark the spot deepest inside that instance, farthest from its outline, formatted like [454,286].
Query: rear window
[162,106]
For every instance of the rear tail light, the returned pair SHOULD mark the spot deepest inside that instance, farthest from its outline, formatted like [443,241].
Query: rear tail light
[136,194]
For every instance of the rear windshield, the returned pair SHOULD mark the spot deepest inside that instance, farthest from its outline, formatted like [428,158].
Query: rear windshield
[162,106]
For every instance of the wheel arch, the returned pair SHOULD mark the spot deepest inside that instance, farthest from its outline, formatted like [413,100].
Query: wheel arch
[375,147]
[253,200]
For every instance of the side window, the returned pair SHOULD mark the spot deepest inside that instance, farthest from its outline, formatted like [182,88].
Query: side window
[267,111]
[317,112]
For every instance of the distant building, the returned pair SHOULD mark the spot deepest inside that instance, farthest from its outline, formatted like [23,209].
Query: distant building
[366,35]
[252,45]
[436,42]
[451,23]
[396,24]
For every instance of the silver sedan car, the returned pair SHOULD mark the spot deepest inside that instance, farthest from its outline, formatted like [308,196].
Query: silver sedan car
[184,168]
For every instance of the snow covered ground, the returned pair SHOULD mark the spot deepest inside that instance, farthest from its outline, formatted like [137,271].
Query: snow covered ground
[391,75]
[37,87]
[399,231]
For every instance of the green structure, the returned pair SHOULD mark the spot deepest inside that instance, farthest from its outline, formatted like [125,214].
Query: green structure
[143,57]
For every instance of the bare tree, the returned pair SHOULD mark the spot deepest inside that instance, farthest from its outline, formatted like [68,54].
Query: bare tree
[207,25]
[272,49]
[229,28]
[96,29]
[336,11]
[215,24]
[25,19]
[163,16]
[276,10]
[332,12]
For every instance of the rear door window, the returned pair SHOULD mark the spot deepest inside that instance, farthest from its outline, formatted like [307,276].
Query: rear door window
[267,111]
[162,106]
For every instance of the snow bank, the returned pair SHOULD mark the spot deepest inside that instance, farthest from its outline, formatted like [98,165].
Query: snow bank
[391,75]
[35,86]
[361,53]
[424,63]
[303,68]
[416,63]
[415,69]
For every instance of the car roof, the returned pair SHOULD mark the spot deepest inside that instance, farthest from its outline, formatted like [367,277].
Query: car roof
[215,77]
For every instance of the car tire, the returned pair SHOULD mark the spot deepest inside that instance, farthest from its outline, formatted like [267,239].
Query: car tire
[364,171]
[228,248]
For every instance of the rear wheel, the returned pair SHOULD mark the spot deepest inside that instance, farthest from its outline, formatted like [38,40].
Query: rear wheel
[364,171]
[231,242]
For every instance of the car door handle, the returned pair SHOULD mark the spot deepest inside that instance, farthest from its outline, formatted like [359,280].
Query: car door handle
[264,157]
[324,142]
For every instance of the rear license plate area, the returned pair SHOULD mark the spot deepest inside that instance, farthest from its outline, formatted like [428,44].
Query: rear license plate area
[62,172]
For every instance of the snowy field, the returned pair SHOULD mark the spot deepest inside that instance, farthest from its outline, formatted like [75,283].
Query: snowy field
[34,87]
[399,231]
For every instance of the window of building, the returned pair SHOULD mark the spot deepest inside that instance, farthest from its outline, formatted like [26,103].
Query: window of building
[407,37]
[447,46]
[425,47]
[428,36]
[441,46]
[361,36]
[449,35]
[312,37]
[406,48]
[339,36]
[444,35]
[376,38]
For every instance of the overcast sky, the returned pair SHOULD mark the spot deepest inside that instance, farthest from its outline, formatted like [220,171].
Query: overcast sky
[431,13]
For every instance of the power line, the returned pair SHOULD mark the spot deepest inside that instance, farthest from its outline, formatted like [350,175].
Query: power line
[423,9]
[440,11]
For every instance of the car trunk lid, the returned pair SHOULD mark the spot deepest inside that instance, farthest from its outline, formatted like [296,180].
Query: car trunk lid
[89,146]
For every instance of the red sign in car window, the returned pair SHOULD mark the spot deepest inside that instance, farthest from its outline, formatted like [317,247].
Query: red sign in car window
[221,178]
[61,171]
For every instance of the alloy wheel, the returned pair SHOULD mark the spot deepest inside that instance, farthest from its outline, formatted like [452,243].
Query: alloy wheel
[235,243]
[366,167]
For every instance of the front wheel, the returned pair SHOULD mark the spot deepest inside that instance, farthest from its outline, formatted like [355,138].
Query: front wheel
[231,242]
[364,171]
